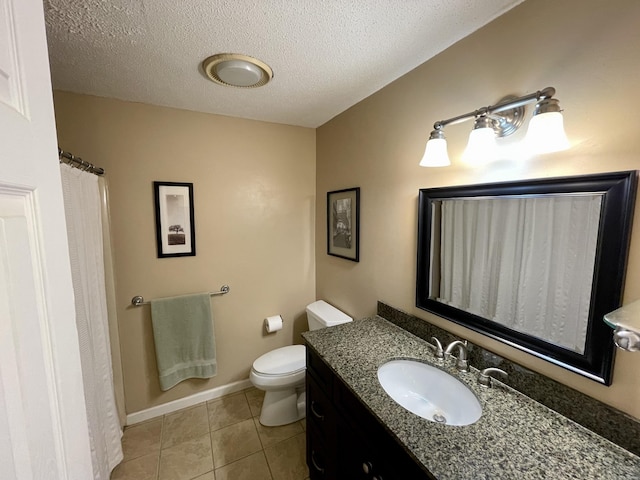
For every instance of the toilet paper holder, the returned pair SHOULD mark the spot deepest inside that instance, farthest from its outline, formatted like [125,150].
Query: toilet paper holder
[273,324]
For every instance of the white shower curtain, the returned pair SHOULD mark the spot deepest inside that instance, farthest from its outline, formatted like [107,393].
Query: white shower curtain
[526,263]
[84,228]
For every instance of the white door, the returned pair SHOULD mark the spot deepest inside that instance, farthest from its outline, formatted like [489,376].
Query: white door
[43,426]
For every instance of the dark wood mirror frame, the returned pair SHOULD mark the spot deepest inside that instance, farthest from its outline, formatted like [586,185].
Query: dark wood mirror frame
[614,233]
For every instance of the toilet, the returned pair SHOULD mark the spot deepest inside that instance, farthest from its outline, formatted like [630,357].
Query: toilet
[281,372]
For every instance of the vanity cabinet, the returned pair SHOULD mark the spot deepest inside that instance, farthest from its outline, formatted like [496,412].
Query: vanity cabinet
[344,440]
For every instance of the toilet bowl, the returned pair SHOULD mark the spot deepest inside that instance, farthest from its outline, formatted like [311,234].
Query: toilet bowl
[281,372]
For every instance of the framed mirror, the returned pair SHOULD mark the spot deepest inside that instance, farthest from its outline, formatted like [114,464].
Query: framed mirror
[534,264]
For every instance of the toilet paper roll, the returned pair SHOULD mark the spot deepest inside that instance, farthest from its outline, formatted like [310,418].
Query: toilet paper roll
[273,324]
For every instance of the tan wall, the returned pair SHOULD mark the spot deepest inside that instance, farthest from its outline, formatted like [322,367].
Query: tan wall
[587,50]
[254,187]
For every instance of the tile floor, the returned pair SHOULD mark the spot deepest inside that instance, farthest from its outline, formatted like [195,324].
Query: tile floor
[217,440]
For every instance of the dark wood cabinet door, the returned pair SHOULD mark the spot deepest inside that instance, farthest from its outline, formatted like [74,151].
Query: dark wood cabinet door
[321,432]
[345,441]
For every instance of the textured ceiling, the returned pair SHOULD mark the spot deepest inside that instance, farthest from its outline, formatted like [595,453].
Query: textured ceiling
[326,55]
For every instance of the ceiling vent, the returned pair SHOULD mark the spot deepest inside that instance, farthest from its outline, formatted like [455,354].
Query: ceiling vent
[236,70]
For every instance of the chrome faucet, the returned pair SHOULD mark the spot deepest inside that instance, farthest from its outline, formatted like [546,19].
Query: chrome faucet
[484,377]
[439,353]
[461,364]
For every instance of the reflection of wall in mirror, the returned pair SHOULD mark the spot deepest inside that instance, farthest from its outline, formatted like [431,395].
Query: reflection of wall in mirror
[526,263]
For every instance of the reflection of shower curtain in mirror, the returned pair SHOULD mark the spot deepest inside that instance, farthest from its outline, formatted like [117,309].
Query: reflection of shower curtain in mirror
[527,264]
[84,227]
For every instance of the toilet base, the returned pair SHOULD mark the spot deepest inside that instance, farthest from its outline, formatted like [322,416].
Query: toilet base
[281,407]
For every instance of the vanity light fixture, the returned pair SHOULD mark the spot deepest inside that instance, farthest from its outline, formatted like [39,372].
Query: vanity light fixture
[236,70]
[546,130]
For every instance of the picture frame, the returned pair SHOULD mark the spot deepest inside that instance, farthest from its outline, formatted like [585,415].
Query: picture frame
[343,223]
[175,227]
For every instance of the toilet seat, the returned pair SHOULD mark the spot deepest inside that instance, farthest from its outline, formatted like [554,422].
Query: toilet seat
[281,362]
[277,382]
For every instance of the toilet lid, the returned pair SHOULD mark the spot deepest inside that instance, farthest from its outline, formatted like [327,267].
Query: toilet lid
[281,361]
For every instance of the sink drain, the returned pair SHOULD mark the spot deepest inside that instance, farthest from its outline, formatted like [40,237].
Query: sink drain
[439,418]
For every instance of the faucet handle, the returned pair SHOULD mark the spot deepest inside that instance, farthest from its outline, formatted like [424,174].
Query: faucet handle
[484,377]
[439,352]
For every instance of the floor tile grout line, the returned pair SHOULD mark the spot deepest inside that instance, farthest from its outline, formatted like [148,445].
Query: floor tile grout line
[254,421]
[213,458]
[264,454]
[238,459]
[143,454]
[234,423]
[160,449]
[245,456]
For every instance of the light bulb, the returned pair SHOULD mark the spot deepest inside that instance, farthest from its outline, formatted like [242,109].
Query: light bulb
[482,147]
[435,153]
[546,133]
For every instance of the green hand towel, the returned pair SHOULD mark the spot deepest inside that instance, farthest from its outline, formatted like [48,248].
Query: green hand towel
[184,338]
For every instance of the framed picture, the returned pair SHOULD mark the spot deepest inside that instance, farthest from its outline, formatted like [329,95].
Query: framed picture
[343,223]
[175,230]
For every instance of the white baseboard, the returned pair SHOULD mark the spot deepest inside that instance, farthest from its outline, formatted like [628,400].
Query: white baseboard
[185,402]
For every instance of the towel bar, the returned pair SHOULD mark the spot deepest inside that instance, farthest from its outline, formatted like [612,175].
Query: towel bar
[139,299]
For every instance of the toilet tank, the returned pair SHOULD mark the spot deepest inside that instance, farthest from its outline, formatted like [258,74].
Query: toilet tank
[320,315]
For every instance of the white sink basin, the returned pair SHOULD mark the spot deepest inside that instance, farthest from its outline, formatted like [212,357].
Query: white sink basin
[429,392]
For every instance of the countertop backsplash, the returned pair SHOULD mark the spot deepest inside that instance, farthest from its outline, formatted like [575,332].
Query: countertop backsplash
[598,417]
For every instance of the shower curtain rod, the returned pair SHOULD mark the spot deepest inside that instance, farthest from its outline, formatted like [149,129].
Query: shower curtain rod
[77,162]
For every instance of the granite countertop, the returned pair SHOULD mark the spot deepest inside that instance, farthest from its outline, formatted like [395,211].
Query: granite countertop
[516,437]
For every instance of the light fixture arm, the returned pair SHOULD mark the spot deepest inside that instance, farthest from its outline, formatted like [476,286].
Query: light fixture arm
[510,104]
